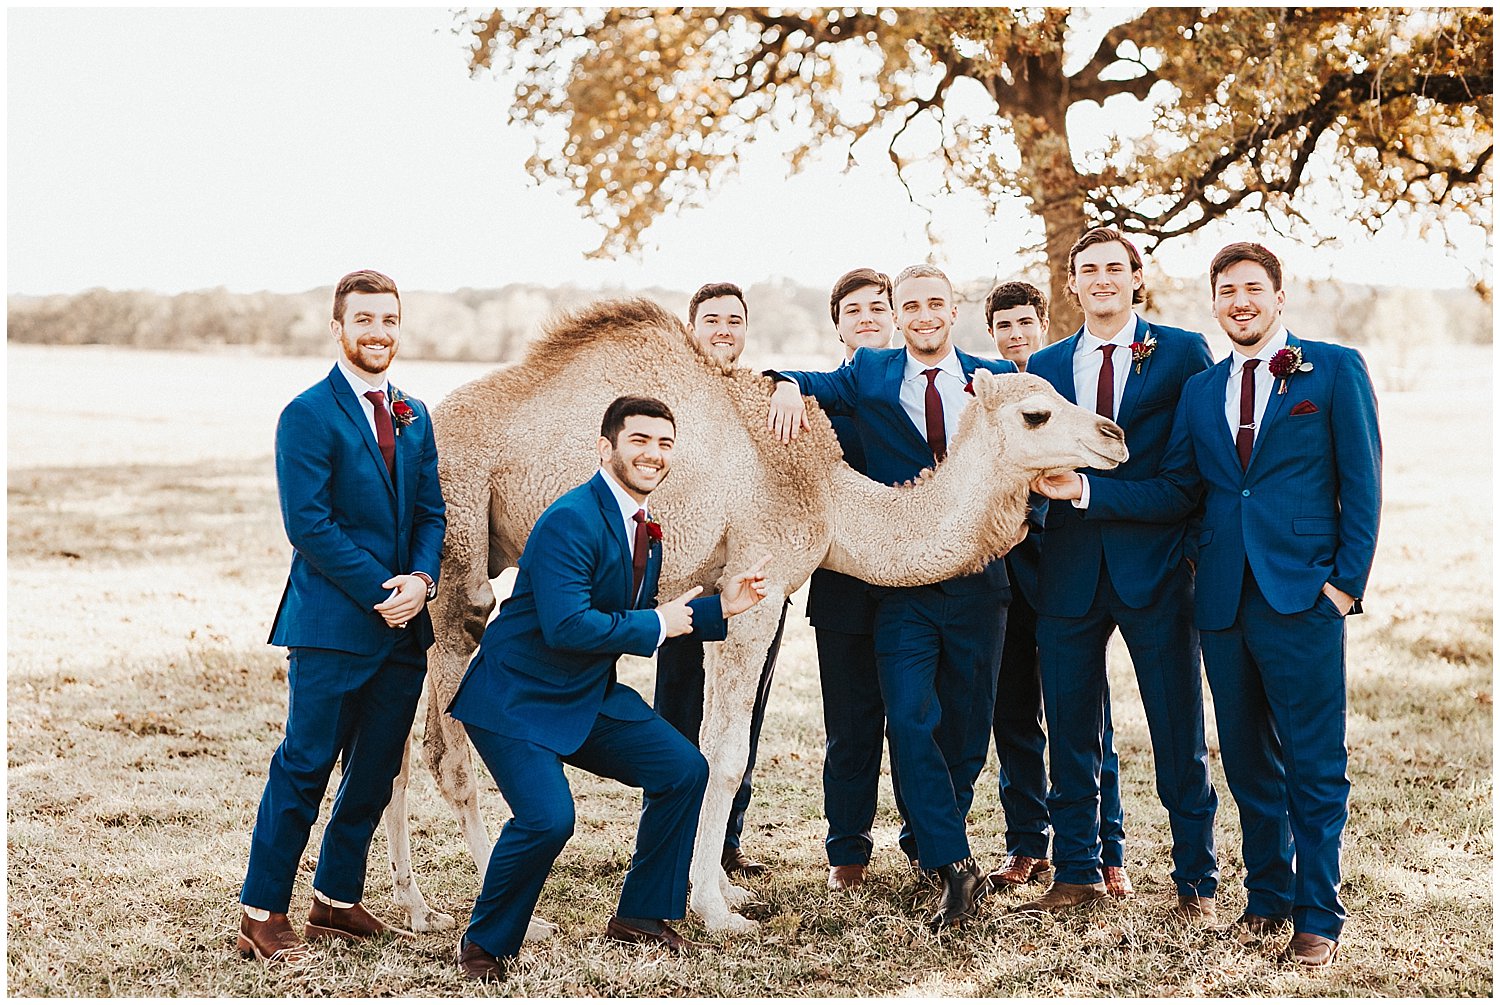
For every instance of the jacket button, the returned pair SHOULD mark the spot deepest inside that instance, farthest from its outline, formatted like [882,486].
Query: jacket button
[1246,493]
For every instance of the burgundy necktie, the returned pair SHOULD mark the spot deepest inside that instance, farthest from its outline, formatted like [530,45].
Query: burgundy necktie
[1104,401]
[385,433]
[1244,437]
[638,557]
[937,433]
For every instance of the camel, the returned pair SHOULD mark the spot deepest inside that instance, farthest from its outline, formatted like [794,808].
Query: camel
[514,440]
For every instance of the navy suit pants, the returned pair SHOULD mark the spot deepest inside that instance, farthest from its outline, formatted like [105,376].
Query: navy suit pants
[1164,649]
[339,706]
[679,700]
[1021,745]
[937,655]
[1279,699]
[647,754]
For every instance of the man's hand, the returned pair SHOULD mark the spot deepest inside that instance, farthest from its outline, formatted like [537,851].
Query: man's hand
[677,615]
[745,590]
[1068,485]
[408,597]
[788,415]
[1341,600]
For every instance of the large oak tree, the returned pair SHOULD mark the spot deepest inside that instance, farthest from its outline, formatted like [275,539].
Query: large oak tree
[1378,112]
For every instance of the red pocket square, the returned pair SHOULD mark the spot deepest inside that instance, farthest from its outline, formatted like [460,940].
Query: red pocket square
[1304,407]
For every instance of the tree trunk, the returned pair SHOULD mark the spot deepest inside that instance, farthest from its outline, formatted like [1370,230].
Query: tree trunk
[1064,223]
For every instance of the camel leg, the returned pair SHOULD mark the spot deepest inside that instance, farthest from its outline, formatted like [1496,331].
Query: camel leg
[404,890]
[731,679]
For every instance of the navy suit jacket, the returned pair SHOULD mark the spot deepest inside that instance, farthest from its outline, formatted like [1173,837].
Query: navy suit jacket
[1139,557]
[868,390]
[352,526]
[545,669]
[1304,513]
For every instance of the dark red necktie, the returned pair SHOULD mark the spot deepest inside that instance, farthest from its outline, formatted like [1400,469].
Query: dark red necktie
[385,433]
[1244,437]
[1104,401]
[937,433]
[638,557]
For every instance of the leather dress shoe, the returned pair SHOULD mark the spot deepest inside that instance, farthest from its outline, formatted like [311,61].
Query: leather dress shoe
[477,964]
[1018,870]
[1063,897]
[1194,909]
[1117,882]
[736,862]
[351,924]
[647,932]
[1256,926]
[963,887]
[272,941]
[1308,950]
[846,877]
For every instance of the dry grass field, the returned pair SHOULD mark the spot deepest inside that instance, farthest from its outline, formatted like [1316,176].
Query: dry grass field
[145,560]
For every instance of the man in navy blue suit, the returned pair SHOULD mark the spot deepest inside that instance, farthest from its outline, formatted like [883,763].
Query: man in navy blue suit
[1099,575]
[356,471]
[1016,315]
[937,648]
[842,612]
[541,692]
[1281,441]
[719,320]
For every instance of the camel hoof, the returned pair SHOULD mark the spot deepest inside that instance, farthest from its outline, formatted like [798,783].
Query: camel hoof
[737,896]
[540,930]
[737,924]
[432,921]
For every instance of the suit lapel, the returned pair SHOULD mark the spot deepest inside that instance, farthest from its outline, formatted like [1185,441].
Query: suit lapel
[1064,381]
[1275,406]
[895,374]
[1217,394]
[609,511]
[1134,382]
[344,395]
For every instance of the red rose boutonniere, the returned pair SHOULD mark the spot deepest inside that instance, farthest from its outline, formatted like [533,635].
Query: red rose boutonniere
[1141,351]
[1286,362]
[653,531]
[402,414]
[969,387]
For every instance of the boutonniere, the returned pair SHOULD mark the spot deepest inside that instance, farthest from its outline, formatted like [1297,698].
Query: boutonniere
[1141,351]
[1286,362]
[969,387]
[653,531]
[402,414]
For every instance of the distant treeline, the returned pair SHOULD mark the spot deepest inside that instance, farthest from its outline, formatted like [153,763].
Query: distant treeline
[495,325]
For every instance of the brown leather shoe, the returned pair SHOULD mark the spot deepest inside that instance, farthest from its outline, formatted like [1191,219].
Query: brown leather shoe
[736,862]
[272,941]
[1063,897]
[476,964]
[351,924]
[846,877]
[1018,870]
[1195,910]
[1308,950]
[1117,882]
[1255,926]
[623,930]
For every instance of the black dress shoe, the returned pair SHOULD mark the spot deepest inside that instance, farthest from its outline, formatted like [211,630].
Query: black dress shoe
[963,886]
[735,861]
[476,964]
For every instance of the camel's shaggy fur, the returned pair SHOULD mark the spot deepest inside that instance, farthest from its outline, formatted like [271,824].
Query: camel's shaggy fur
[513,441]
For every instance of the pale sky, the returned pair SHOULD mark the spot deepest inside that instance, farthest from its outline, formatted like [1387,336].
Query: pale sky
[181,149]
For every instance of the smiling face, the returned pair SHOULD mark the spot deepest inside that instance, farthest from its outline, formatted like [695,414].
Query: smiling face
[1247,305]
[925,312]
[1105,284]
[641,455]
[865,320]
[369,332]
[719,328]
[1018,333]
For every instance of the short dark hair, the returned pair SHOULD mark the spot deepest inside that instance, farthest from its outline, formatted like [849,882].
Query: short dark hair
[1015,294]
[363,281]
[858,279]
[923,271]
[1244,251]
[1105,235]
[711,290]
[627,405]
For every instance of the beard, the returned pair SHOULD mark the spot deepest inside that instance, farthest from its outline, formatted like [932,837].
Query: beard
[363,359]
[626,475]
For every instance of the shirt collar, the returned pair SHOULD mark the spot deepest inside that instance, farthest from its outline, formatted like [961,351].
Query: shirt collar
[628,506]
[949,364]
[359,385]
[1271,348]
[1089,342]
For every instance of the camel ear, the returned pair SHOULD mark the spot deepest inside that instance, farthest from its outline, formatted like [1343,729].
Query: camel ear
[986,387]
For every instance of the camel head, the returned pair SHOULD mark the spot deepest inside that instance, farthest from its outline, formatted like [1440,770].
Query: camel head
[1042,430]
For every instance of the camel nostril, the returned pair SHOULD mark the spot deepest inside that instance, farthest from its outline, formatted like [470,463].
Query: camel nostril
[1111,430]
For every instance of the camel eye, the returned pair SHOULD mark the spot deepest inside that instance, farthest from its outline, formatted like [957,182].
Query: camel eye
[1036,420]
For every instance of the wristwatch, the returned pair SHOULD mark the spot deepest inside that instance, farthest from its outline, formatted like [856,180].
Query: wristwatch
[431,586]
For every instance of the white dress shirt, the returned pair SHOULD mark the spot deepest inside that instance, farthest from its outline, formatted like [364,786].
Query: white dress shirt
[628,509]
[1088,361]
[950,385]
[361,387]
[1263,382]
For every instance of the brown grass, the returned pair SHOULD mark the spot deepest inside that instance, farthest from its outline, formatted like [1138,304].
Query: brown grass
[143,707]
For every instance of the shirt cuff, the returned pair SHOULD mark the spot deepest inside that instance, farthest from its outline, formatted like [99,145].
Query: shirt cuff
[1082,502]
[661,635]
